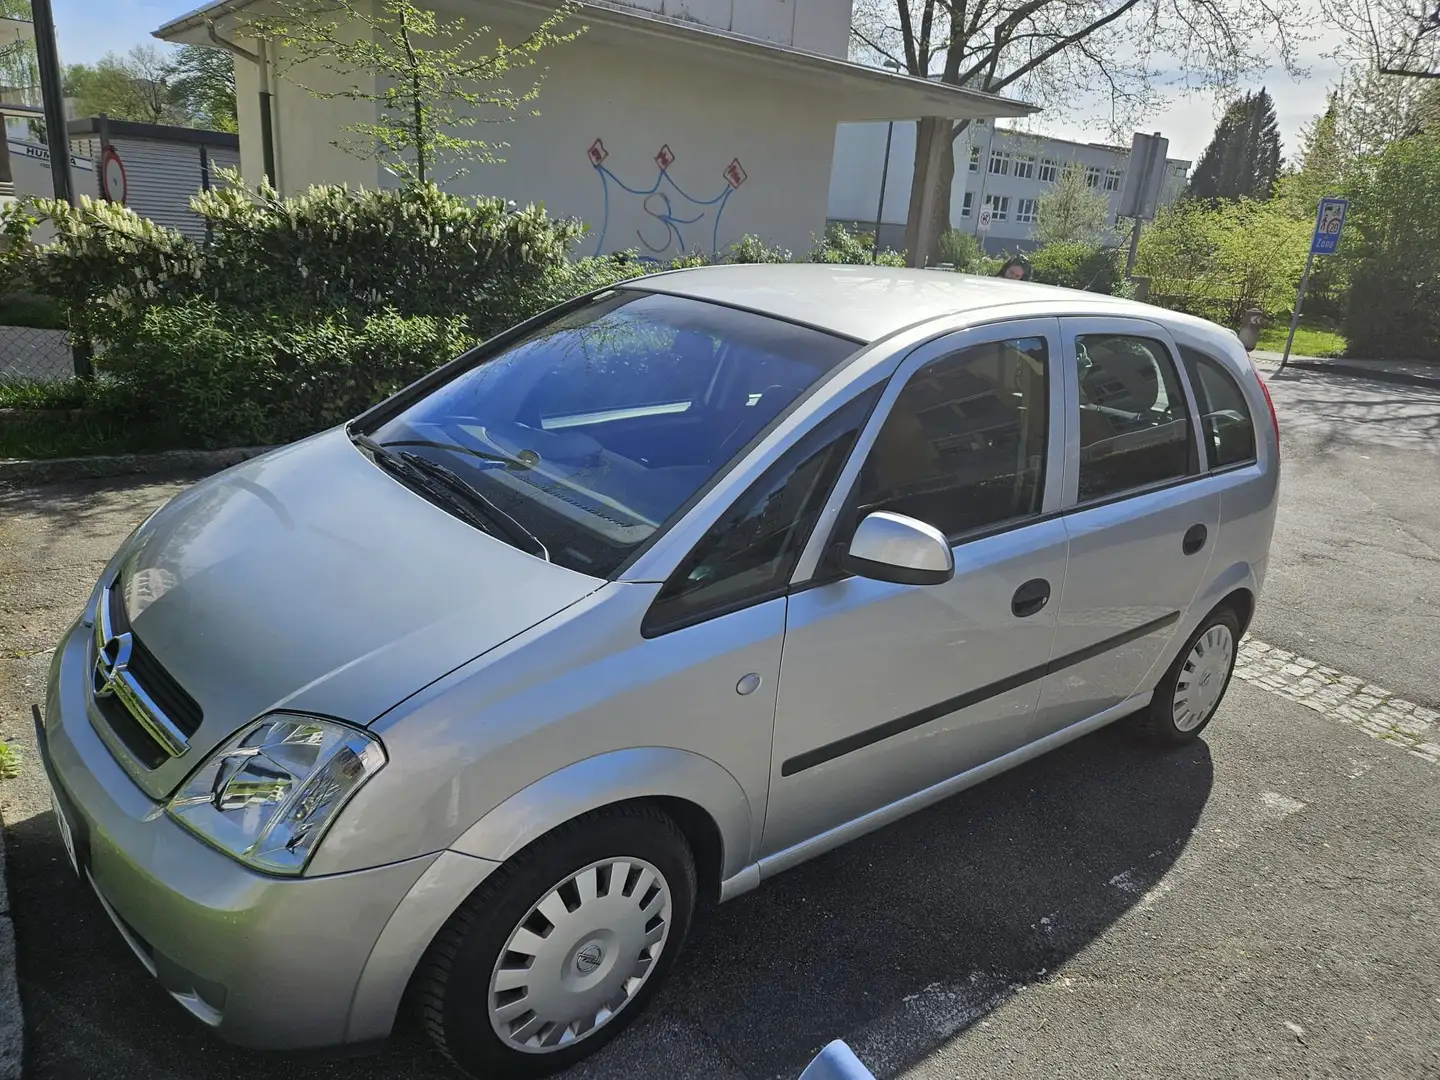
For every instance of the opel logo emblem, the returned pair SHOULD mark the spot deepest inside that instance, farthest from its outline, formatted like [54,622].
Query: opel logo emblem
[111,662]
[588,959]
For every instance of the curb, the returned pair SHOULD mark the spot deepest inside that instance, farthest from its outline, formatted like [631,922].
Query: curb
[15,471]
[12,1023]
[1401,378]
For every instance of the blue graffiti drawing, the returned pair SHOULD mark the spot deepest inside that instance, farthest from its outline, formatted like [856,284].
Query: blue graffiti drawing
[667,207]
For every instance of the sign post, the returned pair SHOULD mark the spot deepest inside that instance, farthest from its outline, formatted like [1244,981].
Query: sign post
[1144,178]
[1329,220]
[982,221]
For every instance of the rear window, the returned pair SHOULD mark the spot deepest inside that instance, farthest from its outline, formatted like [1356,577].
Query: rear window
[614,415]
[1224,413]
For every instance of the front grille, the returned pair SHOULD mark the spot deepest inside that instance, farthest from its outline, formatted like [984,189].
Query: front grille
[182,709]
[147,709]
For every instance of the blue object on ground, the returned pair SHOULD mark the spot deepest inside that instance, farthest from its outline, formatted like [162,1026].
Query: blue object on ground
[836,1062]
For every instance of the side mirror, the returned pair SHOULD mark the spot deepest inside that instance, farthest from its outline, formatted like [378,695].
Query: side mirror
[896,548]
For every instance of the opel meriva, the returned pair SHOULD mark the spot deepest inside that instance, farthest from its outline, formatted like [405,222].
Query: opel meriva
[647,599]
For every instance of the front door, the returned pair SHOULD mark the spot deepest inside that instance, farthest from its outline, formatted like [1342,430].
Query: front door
[1141,516]
[888,689]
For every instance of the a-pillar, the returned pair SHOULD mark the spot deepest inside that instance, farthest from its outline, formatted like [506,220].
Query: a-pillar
[932,141]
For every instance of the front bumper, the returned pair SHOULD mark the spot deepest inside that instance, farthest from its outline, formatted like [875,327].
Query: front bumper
[267,962]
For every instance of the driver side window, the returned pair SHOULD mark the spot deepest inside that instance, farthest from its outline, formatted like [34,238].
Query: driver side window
[1134,424]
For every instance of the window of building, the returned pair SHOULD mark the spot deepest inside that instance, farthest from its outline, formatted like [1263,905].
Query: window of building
[1049,171]
[1025,166]
[1025,211]
[749,554]
[1224,414]
[1134,425]
[1092,175]
[1112,179]
[999,206]
[968,204]
[963,448]
[974,159]
[1000,162]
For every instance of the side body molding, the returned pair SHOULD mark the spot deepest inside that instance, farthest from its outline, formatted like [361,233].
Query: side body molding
[617,776]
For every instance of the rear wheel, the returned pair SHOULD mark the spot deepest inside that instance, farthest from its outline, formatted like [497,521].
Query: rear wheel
[562,947]
[1191,691]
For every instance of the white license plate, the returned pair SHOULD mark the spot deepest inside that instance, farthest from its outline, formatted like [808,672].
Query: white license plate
[65,834]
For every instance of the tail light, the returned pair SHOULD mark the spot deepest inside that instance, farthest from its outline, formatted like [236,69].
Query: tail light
[1269,404]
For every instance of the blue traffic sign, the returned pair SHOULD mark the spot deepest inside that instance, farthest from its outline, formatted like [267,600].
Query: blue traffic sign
[1328,223]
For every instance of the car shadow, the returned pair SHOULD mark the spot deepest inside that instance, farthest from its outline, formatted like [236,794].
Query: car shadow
[985,893]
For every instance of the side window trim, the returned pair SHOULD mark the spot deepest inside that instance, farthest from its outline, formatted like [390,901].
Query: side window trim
[919,356]
[1071,329]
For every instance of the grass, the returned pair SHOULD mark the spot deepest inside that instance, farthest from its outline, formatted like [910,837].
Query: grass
[9,761]
[44,438]
[1311,339]
[69,393]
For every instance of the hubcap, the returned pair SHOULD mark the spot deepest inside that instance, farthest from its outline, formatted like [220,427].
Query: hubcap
[580,955]
[1202,677]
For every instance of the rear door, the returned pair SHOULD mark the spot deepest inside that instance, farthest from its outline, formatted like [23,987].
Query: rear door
[1141,515]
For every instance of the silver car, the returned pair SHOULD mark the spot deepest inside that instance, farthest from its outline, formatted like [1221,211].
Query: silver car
[667,590]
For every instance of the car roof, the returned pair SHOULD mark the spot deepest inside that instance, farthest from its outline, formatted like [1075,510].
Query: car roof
[866,303]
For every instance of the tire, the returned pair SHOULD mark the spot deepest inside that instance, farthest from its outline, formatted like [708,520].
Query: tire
[478,981]
[1187,697]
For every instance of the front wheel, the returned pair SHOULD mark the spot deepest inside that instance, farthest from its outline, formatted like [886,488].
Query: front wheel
[560,948]
[1191,691]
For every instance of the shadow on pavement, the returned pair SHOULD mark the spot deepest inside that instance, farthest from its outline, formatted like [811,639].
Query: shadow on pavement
[1004,883]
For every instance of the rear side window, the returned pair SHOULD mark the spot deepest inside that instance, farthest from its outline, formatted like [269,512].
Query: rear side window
[1134,424]
[963,448]
[749,554]
[1224,413]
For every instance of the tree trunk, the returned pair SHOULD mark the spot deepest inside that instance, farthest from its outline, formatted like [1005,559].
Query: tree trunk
[929,213]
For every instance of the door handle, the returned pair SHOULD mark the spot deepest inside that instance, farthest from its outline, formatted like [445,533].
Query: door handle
[1030,598]
[1195,537]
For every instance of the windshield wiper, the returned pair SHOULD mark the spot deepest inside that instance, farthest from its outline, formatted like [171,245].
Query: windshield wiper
[475,502]
[462,499]
[526,459]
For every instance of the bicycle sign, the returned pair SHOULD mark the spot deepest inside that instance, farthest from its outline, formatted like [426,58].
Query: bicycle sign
[1328,223]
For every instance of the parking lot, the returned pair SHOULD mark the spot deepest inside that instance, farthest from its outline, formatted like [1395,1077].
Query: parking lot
[1261,903]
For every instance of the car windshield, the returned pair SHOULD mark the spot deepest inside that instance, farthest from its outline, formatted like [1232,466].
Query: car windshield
[591,431]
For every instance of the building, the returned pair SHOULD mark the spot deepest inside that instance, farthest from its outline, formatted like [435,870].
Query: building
[669,125]
[1003,169]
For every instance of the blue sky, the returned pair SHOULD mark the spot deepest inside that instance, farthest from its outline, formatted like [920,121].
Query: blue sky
[87,29]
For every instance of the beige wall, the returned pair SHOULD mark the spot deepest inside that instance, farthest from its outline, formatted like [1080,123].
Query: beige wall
[305,127]
[639,97]
[635,93]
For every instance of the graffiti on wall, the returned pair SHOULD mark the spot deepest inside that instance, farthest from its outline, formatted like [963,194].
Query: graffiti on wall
[667,221]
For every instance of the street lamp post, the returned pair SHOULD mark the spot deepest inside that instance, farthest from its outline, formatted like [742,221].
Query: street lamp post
[893,65]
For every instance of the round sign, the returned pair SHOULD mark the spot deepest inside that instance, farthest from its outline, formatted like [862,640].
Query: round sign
[112,176]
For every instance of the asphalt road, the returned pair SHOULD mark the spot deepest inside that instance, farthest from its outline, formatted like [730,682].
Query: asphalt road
[1262,903]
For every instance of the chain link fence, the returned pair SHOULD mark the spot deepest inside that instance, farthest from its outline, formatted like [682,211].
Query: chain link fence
[30,355]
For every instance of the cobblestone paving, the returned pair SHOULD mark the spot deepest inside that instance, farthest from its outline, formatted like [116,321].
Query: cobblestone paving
[1346,698]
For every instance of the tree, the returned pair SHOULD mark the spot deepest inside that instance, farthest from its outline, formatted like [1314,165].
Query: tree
[202,83]
[130,87]
[1071,211]
[1243,158]
[1060,54]
[1391,251]
[1395,37]
[427,78]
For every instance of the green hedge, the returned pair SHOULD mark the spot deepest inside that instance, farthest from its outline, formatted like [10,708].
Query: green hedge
[301,312]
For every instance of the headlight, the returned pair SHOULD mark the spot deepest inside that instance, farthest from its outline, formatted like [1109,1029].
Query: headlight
[268,795]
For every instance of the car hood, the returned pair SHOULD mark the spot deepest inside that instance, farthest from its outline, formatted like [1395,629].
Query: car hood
[310,579]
